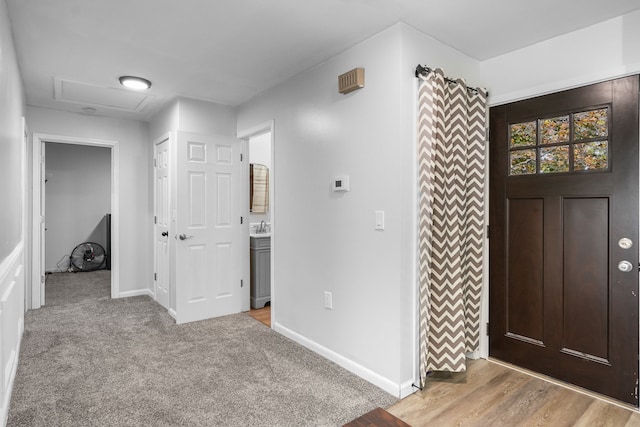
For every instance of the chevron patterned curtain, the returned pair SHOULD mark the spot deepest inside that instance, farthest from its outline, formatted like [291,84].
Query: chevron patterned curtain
[451,155]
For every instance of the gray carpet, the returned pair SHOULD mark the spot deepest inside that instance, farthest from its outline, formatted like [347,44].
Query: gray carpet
[77,288]
[87,360]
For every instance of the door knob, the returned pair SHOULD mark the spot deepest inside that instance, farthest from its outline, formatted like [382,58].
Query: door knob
[184,237]
[625,266]
[165,233]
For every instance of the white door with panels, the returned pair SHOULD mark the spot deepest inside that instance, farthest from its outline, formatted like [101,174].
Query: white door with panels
[161,227]
[208,227]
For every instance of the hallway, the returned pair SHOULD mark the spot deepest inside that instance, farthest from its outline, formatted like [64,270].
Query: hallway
[89,360]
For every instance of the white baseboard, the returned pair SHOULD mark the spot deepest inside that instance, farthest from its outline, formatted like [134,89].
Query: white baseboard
[172,313]
[136,293]
[378,380]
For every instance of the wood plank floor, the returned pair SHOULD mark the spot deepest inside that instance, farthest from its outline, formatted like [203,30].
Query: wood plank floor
[490,394]
[262,315]
[377,418]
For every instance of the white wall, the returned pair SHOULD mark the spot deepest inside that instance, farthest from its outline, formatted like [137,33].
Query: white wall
[78,196]
[260,149]
[192,115]
[11,112]
[600,52]
[164,121]
[326,241]
[206,117]
[12,241]
[136,198]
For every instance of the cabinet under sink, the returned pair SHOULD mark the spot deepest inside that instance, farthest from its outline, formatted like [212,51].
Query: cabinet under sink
[260,253]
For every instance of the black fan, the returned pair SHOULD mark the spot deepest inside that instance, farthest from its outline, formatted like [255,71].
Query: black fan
[88,256]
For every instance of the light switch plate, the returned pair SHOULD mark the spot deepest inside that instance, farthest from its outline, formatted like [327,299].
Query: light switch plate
[328,300]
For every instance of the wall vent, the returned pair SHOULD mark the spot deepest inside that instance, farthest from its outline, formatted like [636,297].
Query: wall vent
[351,80]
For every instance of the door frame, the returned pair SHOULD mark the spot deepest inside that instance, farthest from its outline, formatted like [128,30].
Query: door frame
[245,135]
[26,229]
[37,285]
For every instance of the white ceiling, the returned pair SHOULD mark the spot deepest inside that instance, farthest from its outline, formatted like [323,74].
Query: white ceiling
[227,51]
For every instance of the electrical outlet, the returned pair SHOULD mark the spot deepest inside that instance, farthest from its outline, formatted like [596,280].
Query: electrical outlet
[328,300]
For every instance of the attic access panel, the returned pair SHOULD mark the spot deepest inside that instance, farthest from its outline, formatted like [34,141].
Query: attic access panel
[97,96]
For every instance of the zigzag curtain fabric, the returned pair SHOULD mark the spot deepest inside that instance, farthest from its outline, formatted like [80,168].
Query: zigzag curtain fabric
[451,156]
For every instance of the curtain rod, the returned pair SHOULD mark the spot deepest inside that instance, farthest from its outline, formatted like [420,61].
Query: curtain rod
[423,70]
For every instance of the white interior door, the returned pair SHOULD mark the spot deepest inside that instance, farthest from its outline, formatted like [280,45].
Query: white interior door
[208,227]
[161,228]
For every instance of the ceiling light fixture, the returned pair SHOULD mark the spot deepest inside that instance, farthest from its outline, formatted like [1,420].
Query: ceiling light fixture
[136,83]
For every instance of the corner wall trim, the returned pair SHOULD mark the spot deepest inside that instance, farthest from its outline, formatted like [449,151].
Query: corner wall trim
[378,380]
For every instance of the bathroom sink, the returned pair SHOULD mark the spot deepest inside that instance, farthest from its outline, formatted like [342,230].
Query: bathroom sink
[260,235]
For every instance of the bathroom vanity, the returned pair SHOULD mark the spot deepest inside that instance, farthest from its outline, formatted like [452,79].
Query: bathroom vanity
[260,250]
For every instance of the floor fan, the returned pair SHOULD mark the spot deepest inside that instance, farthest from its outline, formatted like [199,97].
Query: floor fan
[88,256]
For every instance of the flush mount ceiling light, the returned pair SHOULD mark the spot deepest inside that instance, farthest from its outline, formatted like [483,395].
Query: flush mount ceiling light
[136,83]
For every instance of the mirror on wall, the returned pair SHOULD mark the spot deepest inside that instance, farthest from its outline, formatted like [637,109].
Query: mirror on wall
[258,188]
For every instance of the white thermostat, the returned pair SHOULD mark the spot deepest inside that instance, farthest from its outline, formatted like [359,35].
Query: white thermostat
[340,183]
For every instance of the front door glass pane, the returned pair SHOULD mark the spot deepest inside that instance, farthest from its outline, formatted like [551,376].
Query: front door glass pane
[554,130]
[523,162]
[590,124]
[554,159]
[590,155]
[523,134]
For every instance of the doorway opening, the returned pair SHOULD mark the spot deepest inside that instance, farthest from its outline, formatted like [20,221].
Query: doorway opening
[260,238]
[77,212]
[63,146]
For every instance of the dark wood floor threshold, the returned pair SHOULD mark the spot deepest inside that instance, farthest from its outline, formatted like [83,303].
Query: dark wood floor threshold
[377,418]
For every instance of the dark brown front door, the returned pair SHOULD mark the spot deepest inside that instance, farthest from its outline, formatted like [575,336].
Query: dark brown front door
[564,218]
